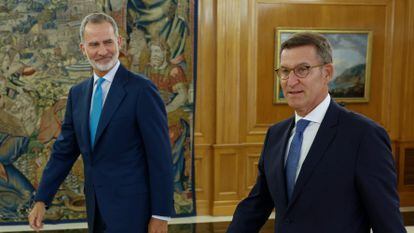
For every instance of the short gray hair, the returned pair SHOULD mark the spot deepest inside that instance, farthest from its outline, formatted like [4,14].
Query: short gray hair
[321,44]
[97,18]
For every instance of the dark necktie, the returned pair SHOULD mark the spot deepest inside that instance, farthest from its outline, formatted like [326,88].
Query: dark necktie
[96,110]
[294,155]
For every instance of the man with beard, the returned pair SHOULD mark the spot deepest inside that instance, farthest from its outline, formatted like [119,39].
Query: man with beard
[117,121]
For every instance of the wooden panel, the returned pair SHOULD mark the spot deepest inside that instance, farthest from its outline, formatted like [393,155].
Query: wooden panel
[226,169]
[253,129]
[228,71]
[227,182]
[251,153]
[203,167]
[407,122]
[406,173]
[394,63]
[409,166]
[251,169]
[205,113]
[198,167]
[406,165]
[235,173]
[226,175]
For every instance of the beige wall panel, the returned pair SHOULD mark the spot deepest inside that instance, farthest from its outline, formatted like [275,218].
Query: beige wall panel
[228,71]
[227,176]
[226,172]
[203,167]
[251,154]
[205,114]
[235,173]
[407,123]
[251,170]
[394,63]
[252,160]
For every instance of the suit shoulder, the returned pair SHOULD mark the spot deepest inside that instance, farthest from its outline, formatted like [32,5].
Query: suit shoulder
[358,120]
[81,86]
[140,80]
[280,126]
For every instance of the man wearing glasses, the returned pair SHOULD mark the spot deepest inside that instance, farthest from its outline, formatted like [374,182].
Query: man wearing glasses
[326,169]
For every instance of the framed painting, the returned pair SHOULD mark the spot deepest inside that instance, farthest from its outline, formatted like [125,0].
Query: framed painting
[351,51]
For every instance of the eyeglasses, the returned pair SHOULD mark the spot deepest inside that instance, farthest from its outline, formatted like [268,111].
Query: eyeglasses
[301,71]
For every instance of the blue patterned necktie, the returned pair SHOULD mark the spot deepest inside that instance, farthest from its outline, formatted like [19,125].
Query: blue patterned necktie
[293,156]
[96,110]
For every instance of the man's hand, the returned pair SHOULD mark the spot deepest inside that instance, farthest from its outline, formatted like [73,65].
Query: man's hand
[36,216]
[157,226]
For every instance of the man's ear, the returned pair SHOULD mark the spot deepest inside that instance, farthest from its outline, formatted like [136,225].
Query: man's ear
[82,48]
[329,71]
[119,40]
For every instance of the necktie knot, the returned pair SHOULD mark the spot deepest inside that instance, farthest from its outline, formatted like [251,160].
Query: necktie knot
[301,125]
[99,82]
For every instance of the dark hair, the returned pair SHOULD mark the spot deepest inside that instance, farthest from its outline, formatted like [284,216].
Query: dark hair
[322,45]
[97,18]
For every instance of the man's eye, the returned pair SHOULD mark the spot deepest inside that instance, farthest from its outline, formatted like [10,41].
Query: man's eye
[302,69]
[285,72]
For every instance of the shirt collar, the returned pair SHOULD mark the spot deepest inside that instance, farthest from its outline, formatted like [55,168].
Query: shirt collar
[108,76]
[318,113]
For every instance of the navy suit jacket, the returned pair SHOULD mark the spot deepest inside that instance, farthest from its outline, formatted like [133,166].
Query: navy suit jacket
[128,172]
[347,183]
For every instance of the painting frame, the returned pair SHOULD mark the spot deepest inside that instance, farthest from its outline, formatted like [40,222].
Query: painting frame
[353,43]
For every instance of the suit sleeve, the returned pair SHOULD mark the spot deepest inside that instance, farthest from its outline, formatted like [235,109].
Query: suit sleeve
[377,182]
[65,151]
[153,124]
[252,213]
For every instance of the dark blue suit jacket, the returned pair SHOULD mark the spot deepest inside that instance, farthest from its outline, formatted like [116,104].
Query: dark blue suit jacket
[347,183]
[129,170]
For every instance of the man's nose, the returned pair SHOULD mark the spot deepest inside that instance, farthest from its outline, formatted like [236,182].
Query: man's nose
[102,50]
[293,79]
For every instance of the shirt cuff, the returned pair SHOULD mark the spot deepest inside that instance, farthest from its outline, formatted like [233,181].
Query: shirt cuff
[162,217]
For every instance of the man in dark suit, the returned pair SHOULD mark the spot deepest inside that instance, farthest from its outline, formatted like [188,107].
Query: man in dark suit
[117,121]
[325,170]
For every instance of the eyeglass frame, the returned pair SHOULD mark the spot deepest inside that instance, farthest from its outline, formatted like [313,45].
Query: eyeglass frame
[293,69]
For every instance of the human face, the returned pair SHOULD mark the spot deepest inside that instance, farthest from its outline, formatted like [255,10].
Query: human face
[101,46]
[157,56]
[304,94]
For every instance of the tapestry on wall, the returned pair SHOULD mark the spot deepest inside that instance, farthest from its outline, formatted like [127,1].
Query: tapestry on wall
[40,60]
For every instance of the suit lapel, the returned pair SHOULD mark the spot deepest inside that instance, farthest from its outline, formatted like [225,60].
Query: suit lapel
[278,171]
[114,98]
[86,106]
[323,139]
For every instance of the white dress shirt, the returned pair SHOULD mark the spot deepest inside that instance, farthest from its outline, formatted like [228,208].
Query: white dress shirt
[315,117]
[106,85]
